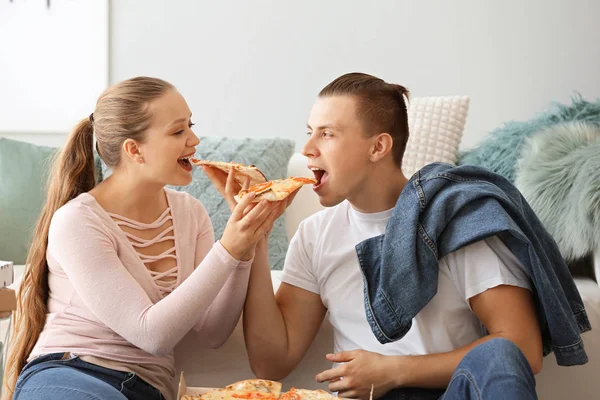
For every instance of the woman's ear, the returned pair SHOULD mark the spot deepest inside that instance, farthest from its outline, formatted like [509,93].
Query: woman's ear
[382,145]
[132,151]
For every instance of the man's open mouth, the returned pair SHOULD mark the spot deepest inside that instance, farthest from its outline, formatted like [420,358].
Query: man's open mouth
[319,175]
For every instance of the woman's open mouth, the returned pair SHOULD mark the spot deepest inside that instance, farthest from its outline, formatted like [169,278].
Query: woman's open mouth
[185,163]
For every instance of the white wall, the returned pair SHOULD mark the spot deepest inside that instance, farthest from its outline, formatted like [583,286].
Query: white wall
[53,65]
[254,67]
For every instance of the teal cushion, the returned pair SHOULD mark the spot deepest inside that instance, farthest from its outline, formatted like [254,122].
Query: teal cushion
[271,156]
[24,169]
[501,149]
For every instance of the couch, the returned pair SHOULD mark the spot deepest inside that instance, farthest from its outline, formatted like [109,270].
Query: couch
[203,366]
[208,367]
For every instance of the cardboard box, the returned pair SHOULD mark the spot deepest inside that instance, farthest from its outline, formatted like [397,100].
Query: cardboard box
[7,274]
[183,389]
[192,391]
[8,300]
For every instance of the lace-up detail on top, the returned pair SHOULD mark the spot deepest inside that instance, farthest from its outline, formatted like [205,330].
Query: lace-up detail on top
[164,280]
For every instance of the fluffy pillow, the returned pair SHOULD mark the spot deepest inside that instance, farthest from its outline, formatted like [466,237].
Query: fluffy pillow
[271,156]
[436,128]
[500,150]
[559,175]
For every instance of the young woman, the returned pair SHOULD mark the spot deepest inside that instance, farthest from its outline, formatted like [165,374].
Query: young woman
[119,272]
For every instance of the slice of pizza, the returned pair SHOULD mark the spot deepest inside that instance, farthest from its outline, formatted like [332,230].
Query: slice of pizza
[225,394]
[305,394]
[213,395]
[275,190]
[242,171]
[257,388]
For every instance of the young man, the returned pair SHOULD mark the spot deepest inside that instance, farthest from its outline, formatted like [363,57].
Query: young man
[357,134]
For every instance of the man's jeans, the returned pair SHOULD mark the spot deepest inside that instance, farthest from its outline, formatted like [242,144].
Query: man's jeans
[54,377]
[495,370]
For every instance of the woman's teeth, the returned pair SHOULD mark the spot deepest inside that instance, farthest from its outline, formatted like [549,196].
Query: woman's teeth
[185,161]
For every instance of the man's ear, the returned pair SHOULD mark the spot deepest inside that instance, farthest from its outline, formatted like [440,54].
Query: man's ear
[382,145]
[132,150]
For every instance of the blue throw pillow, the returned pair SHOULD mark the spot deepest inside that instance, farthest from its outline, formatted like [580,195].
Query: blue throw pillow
[271,156]
[501,149]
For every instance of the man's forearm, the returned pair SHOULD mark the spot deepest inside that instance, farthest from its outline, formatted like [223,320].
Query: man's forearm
[264,328]
[432,371]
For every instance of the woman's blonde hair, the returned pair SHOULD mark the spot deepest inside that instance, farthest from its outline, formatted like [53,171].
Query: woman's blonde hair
[121,113]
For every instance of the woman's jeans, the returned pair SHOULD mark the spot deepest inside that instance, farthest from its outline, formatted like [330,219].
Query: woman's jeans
[495,370]
[54,377]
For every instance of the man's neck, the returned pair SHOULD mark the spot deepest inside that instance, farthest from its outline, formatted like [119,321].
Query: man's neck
[381,193]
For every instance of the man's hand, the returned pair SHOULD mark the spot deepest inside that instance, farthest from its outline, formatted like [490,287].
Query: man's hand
[360,370]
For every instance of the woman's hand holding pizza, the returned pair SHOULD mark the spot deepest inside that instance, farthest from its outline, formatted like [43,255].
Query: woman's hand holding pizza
[225,183]
[247,225]
[281,194]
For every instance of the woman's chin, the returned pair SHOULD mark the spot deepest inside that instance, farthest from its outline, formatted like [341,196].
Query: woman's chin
[180,180]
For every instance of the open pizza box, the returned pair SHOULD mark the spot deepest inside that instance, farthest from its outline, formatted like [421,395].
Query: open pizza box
[183,389]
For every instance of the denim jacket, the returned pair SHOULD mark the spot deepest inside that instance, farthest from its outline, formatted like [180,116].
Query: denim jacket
[443,208]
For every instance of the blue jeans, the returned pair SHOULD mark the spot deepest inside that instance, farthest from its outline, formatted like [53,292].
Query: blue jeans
[51,377]
[495,369]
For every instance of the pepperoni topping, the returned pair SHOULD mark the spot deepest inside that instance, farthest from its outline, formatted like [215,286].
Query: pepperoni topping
[261,187]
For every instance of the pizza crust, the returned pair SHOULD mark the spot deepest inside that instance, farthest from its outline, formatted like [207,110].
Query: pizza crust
[276,190]
[257,385]
[242,171]
[305,394]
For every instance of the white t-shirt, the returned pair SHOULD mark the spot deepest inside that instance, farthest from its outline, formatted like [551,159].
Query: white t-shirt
[322,259]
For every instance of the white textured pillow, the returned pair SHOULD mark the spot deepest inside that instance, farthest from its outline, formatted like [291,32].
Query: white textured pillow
[436,128]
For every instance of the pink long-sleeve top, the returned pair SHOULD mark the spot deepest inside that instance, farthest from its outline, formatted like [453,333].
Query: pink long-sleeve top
[107,307]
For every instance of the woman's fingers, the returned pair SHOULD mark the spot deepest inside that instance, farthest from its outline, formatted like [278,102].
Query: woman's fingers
[217,177]
[266,218]
[239,210]
[256,213]
[246,184]
[267,224]
[231,186]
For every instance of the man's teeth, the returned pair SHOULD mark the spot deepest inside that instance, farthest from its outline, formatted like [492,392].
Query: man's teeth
[316,169]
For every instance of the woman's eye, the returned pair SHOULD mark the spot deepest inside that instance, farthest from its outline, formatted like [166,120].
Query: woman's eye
[181,131]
